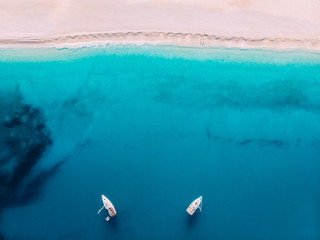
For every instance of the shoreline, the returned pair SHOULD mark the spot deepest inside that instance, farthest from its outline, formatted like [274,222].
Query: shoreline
[162,38]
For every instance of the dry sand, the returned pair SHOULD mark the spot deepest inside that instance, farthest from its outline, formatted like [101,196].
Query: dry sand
[240,23]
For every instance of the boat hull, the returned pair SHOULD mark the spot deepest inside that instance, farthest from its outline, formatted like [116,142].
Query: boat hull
[194,206]
[109,206]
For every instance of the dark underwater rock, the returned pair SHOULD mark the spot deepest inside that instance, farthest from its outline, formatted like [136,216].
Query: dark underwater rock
[23,139]
[34,187]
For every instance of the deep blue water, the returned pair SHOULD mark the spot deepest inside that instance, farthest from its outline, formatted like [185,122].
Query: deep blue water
[154,127]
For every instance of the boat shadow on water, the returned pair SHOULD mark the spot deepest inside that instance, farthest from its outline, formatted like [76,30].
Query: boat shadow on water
[111,227]
[192,221]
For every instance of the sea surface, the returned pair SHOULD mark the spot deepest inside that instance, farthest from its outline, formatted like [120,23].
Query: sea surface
[153,128]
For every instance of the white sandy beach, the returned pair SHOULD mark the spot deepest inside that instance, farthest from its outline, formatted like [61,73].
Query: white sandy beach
[241,23]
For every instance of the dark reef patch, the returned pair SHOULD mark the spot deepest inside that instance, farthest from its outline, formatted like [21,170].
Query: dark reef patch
[33,188]
[261,142]
[24,137]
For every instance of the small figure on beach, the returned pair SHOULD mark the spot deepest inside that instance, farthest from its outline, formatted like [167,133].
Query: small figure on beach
[202,41]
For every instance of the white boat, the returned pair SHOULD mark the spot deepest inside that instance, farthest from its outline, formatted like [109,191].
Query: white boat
[195,205]
[107,204]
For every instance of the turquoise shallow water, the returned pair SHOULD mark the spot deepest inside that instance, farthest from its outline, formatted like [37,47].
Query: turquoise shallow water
[154,127]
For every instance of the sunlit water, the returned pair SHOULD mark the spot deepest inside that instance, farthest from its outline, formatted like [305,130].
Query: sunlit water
[155,127]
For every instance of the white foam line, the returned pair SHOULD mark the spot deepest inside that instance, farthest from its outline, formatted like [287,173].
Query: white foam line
[102,43]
